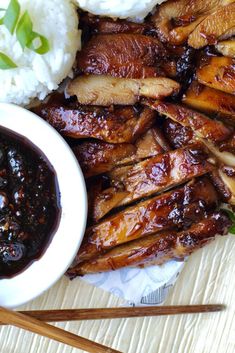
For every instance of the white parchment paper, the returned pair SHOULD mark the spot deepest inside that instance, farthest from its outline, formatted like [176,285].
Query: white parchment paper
[137,286]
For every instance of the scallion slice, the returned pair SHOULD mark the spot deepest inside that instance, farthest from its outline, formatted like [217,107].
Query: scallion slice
[6,63]
[230,214]
[44,47]
[12,15]
[26,36]
[232,229]
[232,218]
[24,30]
[2,19]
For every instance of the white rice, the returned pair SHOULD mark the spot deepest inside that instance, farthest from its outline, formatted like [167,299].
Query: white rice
[136,9]
[37,75]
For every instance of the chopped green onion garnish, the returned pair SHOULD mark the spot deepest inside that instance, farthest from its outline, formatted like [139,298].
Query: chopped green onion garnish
[26,36]
[6,63]
[23,27]
[2,19]
[230,214]
[232,229]
[12,15]
[232,218]
[44,47]
[24,30]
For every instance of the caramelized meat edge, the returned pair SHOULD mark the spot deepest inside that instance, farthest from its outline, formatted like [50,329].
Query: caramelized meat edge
[121,55]
[218,73]
[157,248]
[97,157]
[211,101]
[201,125]
[175,209]
[112,125]
[151,176]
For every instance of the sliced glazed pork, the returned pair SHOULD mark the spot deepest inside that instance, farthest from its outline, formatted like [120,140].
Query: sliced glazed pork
[178,208]
[122,55]
[114,125]
[157,249]
[97,157]
[151,176]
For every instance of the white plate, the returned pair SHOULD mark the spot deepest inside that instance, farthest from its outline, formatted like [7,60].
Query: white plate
[44,272]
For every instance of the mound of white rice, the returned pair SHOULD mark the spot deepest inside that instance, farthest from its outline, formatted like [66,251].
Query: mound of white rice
[137,9]
[37,75]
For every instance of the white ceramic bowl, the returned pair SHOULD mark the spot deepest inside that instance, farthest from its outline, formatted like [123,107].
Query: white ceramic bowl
[44,272]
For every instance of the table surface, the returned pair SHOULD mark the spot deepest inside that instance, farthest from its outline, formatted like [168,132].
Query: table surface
[208,277]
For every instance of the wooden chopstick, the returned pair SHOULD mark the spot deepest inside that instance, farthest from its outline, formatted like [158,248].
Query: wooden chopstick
[123,312]
[33,325]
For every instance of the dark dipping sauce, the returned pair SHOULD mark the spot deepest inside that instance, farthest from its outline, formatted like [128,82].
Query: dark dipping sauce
[29,203]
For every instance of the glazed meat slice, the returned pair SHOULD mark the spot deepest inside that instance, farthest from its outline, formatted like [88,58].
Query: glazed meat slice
[213,27]
[201,125]
[175,20]
[211,101]
[227,176]
[228,145]
[230,33]
[227,47]
[177,208]
[96,157]
[121,55]
[224,180]
[158,248]
[107,25]
[218,73]
[178,135]
[152,143]
[114,125]
[106,90]
[224,176]
[224,152]
[152,176]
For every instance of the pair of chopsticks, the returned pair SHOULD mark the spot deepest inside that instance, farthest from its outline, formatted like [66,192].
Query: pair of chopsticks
[35,321]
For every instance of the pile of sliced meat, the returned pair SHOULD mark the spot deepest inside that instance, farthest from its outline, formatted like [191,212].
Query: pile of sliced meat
[151,119]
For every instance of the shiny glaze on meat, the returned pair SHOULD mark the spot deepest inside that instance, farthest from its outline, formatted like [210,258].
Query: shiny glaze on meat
[178,208]
[218,73]
[181,136]
[99,157]
[201,125]
[178,136]
[114,124]
[228,145]
[225,185]
[157,249]
[107,25]
[202,22]
[152,176]
[211,101]
[121,55]
[150,144]
[213,27]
